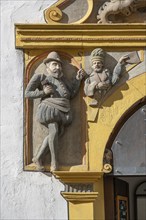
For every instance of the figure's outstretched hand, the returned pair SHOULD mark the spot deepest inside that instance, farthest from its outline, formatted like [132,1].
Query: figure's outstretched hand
[80,74]
[123,59]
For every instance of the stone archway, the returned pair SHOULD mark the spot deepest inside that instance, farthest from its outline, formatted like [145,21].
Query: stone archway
[127,145]
[111,113]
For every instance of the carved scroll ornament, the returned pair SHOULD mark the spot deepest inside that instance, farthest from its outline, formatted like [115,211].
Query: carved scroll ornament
[55,13]
[107,161]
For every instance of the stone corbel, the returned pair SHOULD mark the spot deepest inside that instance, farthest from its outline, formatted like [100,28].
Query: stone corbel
[83,192]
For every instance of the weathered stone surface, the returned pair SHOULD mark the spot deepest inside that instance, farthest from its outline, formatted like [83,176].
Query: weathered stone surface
[70,146]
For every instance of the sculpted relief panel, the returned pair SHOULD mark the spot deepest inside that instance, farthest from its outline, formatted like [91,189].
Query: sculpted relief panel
[63,100]
[55,108]
[51,90]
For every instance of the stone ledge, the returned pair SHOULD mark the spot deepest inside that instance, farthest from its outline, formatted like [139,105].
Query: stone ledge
[78,177]
[80,197]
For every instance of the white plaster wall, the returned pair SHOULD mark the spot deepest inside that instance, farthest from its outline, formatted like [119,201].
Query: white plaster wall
[24,195]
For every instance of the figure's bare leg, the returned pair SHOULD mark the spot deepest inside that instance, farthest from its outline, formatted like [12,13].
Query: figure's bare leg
[41,150]
[53,144]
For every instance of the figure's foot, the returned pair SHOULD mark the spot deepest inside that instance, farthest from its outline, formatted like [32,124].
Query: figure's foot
[93,103]
[38,164]
[53,167]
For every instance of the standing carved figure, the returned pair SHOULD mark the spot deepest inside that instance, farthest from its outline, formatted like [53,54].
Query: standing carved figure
[54,110]
[101,80]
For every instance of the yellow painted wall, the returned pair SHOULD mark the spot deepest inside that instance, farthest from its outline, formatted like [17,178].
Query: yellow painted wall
[108,116]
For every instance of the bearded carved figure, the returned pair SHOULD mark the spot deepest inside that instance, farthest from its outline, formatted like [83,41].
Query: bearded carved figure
[54,111]
[100,80]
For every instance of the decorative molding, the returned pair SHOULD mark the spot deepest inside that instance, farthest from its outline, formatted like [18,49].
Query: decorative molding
[79,187]
[107,168]
[80,197]
[80,36]
[126,7]
[107,161]
[78,177]
[54,13]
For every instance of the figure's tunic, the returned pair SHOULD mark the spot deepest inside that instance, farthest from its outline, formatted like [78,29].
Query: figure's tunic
[91,83]
[53,107]
[105,77]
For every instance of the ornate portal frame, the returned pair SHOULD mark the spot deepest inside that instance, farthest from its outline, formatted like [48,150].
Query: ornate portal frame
[74,41]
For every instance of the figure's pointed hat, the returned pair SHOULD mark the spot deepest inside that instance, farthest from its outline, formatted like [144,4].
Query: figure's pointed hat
[52,56]
[98,54]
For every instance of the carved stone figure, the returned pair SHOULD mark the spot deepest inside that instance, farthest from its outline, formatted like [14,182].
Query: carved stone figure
[101,80]
[54,110]
[126,7]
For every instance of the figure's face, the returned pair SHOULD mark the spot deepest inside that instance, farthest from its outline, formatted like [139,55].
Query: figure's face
[54,68]
[97,66]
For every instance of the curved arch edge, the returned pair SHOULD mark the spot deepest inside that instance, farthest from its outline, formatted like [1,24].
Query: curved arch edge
[101,132]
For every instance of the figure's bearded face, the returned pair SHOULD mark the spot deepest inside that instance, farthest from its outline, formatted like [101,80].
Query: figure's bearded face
[97,66]
[54,68]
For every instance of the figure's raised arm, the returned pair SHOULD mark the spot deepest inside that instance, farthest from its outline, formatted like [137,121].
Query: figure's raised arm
[119,68]
[74,85]
[80,74]
[123,59]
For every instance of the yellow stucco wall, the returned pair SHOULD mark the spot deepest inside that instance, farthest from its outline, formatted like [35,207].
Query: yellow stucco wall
[108,116]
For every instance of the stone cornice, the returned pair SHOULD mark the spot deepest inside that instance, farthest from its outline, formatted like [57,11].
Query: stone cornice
[30,36]
[77,177]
